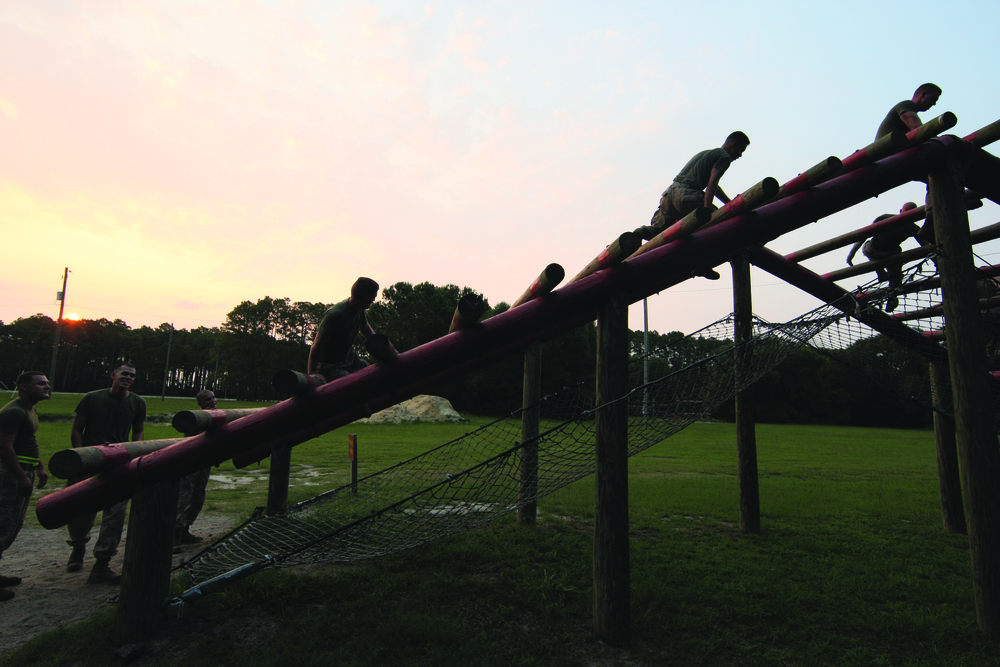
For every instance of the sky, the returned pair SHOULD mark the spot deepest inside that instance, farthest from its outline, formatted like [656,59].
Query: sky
[181,157]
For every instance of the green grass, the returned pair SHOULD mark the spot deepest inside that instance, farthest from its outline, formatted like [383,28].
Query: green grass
[851,568]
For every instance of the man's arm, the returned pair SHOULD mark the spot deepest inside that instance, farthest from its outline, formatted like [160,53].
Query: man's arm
[10,462]
[76,433]
[854,251]
[314,355]
[910,119]
[366,330]
[138,429]
[712,190]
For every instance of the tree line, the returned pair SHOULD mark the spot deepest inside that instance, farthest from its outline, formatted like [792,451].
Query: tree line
[257,339]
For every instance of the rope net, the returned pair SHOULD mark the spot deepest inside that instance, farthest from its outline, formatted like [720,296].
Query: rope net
[477,478]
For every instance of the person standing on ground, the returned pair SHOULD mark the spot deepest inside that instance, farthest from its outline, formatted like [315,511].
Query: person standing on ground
[696,185]
[20,462]
[191,495]
[332,354]
[105,416]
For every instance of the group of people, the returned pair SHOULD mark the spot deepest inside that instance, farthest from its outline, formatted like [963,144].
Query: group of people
[697,184]
[118,415]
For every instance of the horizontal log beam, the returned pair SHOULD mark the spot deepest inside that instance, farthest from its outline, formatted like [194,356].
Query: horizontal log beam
[546,281]
[197,421]
[88,461]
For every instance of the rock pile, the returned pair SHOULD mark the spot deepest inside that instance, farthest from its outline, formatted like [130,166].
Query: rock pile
[422,408]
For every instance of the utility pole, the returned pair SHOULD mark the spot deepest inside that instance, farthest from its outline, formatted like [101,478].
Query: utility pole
[166,366]
[55,346]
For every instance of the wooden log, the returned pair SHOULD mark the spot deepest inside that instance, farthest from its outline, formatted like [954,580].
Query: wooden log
[746,436]
[938,309]
[949,479]
[981,235]
[975,428]
[983,175]
[612,623]
[867,231]
[88,461]
[146,568]
[880,148]
[816,174]
[527,506]
[985,136]
[295,383]
[190,422]
[468,311]
[745,202]
[380,348]
[546,281]
[277,479]
[931,128]
[696,219]
[620,249]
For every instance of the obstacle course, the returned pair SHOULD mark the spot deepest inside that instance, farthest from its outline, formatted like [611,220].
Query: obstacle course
[446,492]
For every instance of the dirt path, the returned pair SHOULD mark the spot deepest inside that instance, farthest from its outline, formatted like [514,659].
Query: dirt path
[49,597]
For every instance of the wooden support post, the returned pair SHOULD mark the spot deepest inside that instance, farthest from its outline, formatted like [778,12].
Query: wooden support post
[975,430]
[949,480]
[148,558]
[746,435]
[352,454]
[277,480]
[527,507]
[611,546]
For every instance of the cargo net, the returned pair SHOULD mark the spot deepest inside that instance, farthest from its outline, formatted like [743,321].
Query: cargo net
[914,296]
[476,478]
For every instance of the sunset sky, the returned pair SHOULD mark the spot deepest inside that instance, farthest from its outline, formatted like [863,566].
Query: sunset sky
[181,157]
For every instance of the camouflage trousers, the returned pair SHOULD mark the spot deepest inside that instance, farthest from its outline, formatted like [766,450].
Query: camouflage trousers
[13,508]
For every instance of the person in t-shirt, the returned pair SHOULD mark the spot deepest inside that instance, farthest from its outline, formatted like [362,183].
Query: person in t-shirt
[904,117]
[696,185]
[886,244]
[103,417]
[20,465]
[332,354]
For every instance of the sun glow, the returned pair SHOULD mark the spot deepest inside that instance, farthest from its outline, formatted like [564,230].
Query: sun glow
[72,316]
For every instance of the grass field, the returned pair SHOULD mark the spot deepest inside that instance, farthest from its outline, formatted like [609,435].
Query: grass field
[851,568]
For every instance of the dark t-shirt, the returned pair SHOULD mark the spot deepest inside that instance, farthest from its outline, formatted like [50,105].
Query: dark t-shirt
[697,172]
[891,239]
[892,120]
[109,419]
[22,421]
[337,331]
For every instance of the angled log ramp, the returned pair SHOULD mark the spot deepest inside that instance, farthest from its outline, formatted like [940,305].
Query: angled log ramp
[337,403]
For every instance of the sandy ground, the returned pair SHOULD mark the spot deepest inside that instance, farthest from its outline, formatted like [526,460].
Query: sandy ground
[49,597]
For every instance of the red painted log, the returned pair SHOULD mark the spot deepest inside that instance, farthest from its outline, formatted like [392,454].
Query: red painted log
[546,281]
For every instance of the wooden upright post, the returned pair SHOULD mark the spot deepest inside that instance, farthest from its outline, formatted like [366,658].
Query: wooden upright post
[277,480]
[611,546]
[527,508]
[746,435]
[148,558]
[949,479]
[975,430]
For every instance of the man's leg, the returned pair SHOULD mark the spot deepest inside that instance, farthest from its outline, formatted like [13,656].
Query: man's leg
[13,508]
[108,539]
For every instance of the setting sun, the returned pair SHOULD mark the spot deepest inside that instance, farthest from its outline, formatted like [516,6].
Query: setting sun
[72,316]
